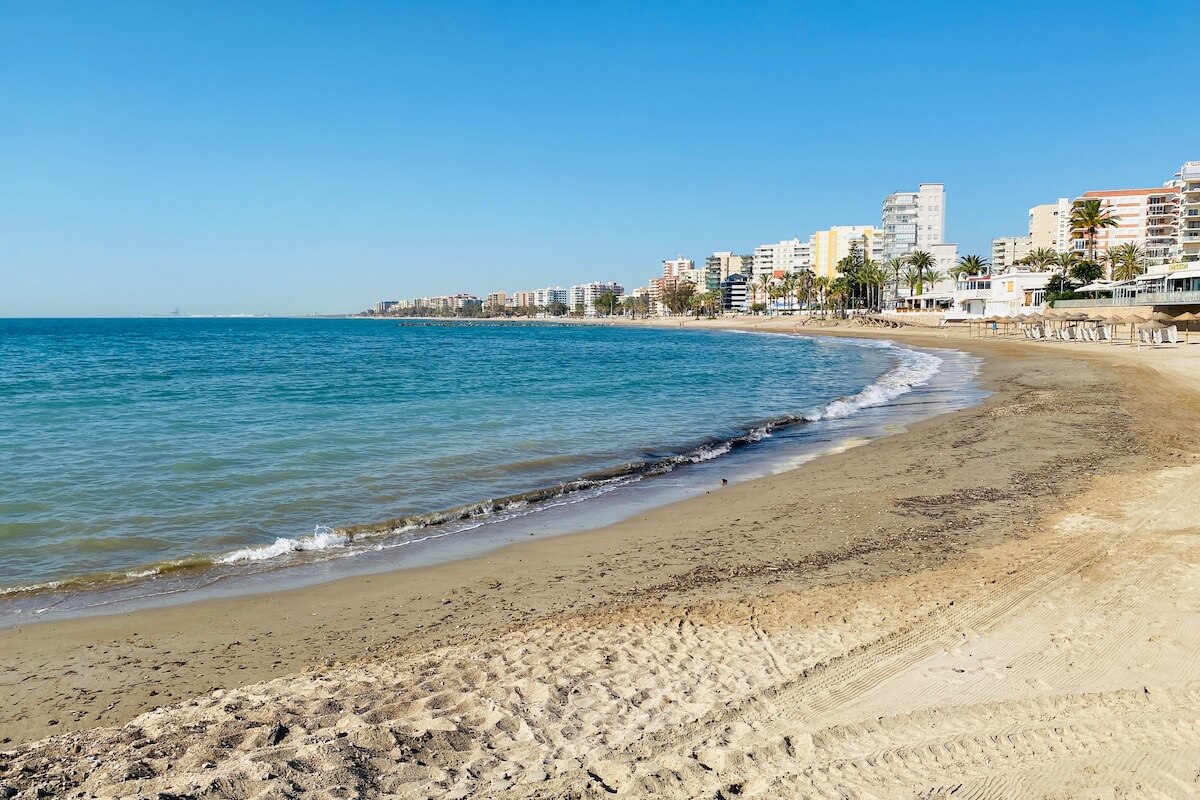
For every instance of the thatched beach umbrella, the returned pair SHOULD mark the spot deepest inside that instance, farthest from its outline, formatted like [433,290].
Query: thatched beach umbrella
[1187,318]
[1132,320]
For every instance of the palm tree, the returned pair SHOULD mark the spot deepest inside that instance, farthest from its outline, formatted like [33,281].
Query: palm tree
[839,292]
[970,265]
[787,287]
[875,278]
[896,265]
[912,277]
[1042,258]
[1064,261]
[1089,216]
[804,288]
[821,284]
[922,261]
[1129,262]
[764,286]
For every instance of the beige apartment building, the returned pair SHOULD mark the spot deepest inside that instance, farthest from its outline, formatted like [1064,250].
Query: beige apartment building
[1050,226]
[827,248]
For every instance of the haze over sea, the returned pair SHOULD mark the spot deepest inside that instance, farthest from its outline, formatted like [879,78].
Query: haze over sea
[128,445]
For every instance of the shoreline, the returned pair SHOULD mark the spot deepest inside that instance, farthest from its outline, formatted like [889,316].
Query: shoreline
[967,494]
[199,577]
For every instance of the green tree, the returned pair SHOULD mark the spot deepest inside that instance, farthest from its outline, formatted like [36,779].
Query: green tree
[606,303]
[707,302]
[1088,217]
[1041,259]
[1086,271]
[678,297]
[1064,263]
[803,289]
[764,286]
[922,261]
[787,288]
[896,267]
[557,309]
[839,294]
[874,277]
[912,279]
[821,286]
[969,265]
[1130,262]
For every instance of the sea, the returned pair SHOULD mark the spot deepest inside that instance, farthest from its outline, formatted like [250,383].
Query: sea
[151,461]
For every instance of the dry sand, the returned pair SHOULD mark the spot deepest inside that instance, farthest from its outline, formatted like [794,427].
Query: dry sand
[1002,602]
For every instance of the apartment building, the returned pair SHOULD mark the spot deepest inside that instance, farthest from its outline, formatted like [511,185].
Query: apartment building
[673,267]
[1188,179]
[496,302]
[735,292]
[913,220]
[828,247]
[524,299]
[584,295]
[725,263]
[1148,218]
[780,258]
[1050,226]
[1007,250]
[543,298]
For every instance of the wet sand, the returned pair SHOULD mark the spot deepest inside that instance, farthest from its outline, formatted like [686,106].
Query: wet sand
[845,627]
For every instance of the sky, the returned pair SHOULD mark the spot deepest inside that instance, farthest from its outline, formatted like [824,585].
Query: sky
[296,158]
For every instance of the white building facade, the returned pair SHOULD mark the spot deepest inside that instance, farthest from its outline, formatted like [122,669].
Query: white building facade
[1008,250]
[584,296]
[914,220]
[544,298]
[782,258]
[1188,178]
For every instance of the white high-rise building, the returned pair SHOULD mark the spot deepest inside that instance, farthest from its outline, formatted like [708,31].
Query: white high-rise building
[674,267]
[1050,226]
[914,220]
[584,295]
[1188,178]
[779,258]
[550,295]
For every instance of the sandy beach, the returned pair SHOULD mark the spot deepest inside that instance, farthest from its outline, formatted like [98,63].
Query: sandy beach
[999,602]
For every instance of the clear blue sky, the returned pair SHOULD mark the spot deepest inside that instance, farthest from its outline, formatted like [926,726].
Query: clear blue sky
[317,157]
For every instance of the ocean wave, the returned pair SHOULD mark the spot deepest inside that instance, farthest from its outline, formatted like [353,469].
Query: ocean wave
[323,538]
[915,369]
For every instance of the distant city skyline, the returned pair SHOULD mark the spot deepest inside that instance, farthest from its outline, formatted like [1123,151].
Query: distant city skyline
[316,158]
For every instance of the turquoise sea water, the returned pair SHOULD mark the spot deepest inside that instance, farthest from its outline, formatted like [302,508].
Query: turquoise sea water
[129,448]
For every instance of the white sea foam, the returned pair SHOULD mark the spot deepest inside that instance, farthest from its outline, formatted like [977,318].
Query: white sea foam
[915,369]
[323,538]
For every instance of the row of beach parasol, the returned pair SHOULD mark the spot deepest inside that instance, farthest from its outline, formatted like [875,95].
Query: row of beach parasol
[1157,320]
